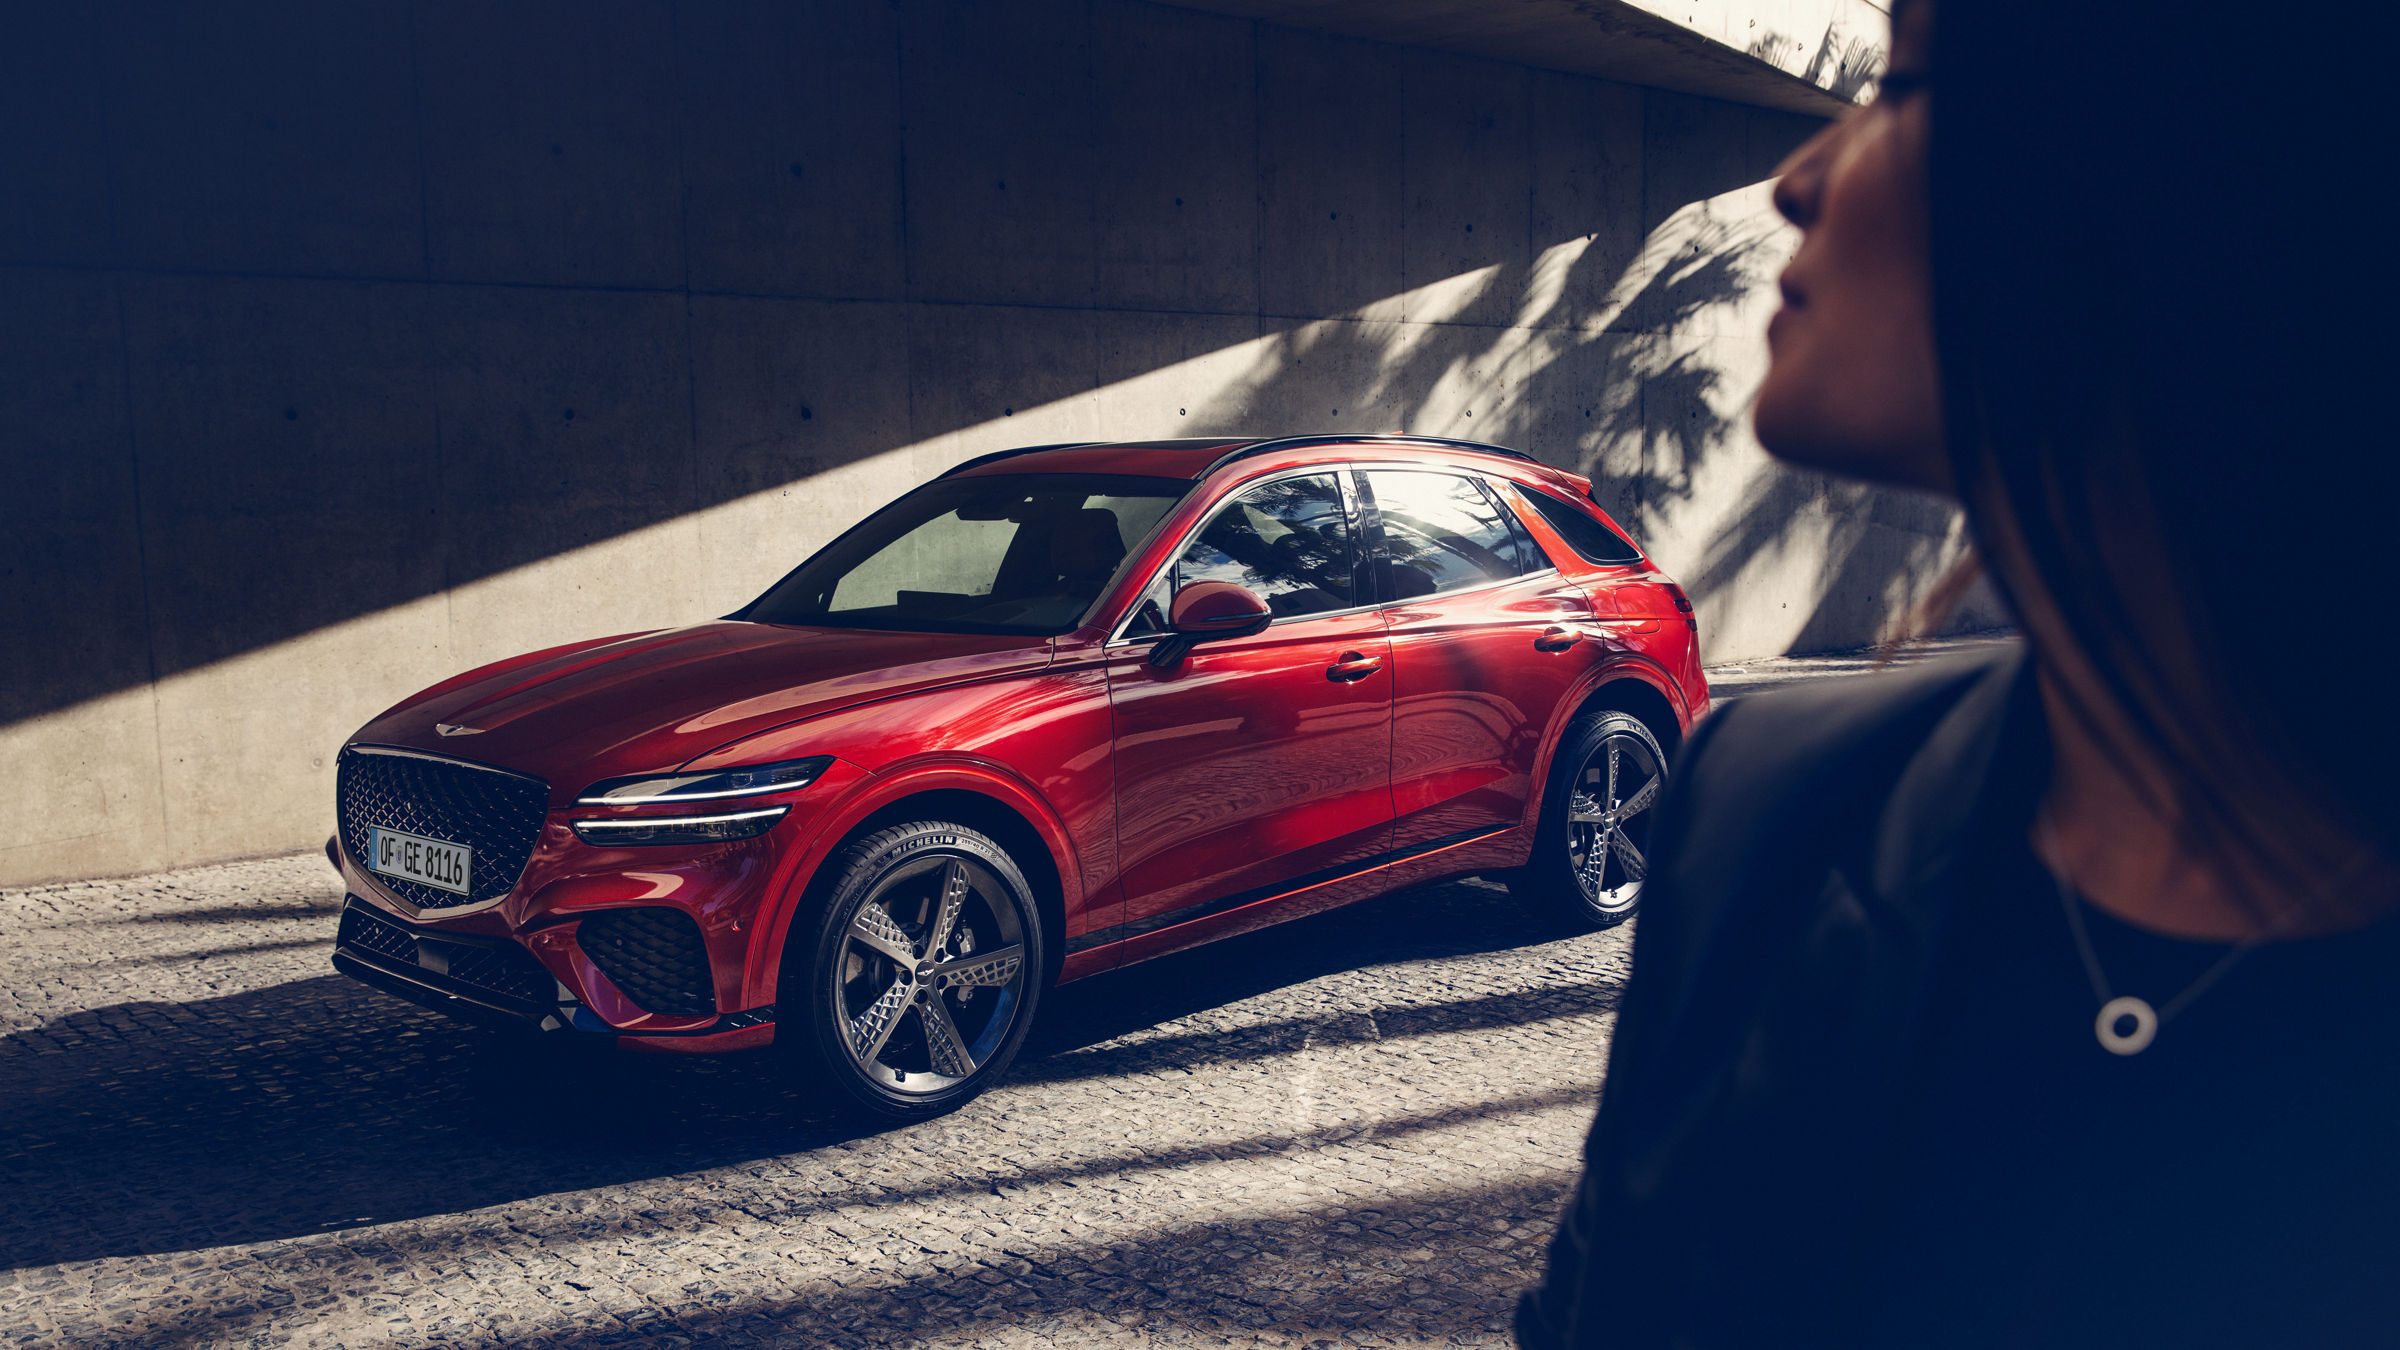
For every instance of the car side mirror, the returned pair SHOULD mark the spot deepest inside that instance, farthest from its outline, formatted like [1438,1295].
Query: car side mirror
[1205,610]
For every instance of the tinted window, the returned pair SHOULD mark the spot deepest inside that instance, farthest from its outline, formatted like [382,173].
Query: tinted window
[1584,534]
[1000,553]
[1442,532]
[1288,541]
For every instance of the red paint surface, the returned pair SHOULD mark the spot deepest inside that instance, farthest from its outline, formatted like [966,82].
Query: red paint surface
[1228,786]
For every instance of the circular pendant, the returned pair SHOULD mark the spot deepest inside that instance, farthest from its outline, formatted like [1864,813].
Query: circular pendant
[2134,1040]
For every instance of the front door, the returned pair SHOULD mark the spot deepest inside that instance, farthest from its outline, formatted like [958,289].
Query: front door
[1487,639]
[1255,764]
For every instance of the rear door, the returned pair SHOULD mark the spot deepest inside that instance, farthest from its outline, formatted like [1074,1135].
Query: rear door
[1487,638]
[1255,764]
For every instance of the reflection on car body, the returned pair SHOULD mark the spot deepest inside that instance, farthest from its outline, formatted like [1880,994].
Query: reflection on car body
[1057,711]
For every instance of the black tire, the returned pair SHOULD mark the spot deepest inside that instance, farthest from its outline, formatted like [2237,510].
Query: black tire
[892,1036]
[1581,815]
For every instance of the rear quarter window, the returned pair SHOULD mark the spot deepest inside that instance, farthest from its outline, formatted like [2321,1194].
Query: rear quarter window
[1586,535]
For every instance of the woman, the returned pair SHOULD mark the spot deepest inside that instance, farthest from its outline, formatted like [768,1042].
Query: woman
[2042,1000]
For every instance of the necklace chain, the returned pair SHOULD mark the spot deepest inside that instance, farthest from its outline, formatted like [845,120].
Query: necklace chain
[2114,1009]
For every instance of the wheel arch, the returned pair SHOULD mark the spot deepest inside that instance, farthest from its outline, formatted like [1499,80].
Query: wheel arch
[1624,692]
[1626,687]
[961,800]
[1007,826]
[1632,694]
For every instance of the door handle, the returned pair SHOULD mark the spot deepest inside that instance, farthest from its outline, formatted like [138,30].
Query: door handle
[1353,666]
[1556,639]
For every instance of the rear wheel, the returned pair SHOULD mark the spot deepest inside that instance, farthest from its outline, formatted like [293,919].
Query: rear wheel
[1589,856]
[923,972]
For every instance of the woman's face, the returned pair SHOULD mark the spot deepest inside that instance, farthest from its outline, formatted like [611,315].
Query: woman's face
[1852,386]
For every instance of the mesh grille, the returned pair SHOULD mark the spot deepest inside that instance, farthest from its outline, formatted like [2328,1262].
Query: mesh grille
[498,968]
[498,815]
[363,930]
[654,955]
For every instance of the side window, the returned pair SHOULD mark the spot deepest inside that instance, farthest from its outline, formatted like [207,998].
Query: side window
[1441,532]
[1587,536]
[1288,541]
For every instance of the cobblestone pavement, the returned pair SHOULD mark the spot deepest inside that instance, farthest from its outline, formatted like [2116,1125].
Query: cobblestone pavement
[1354,1129]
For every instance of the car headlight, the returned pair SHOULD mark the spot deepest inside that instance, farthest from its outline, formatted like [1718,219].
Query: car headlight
[678,829]
[750,780]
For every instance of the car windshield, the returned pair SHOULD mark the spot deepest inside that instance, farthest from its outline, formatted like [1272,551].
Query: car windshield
[998,553]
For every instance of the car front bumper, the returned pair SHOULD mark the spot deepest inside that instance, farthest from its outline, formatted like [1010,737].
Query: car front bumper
[498,981]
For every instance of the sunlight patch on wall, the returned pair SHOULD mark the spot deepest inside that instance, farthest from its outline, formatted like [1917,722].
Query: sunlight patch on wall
[1642,380]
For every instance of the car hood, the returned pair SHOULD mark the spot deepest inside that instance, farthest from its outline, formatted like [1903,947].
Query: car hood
[652,701]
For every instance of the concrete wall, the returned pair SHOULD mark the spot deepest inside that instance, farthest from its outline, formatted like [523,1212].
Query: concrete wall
[1818,57]
[1776,560]
[349,346]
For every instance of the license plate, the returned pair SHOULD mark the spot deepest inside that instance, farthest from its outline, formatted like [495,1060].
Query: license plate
[413,857]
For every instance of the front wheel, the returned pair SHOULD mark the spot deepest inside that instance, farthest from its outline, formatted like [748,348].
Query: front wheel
[1589,858]
[923,973]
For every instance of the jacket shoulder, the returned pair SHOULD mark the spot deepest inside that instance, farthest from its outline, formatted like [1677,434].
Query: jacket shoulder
[1771,747]
[1774,778]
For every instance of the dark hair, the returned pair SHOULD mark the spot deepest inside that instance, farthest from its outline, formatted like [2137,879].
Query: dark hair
[2160,302]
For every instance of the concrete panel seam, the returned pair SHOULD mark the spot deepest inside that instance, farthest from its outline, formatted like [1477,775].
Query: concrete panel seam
[141,553]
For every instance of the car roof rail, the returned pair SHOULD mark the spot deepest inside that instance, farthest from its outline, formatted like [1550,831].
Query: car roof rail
[1419,442]
[979,460]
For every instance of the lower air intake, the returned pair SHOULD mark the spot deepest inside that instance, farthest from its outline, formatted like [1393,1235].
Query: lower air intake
[482,968]
[654,955]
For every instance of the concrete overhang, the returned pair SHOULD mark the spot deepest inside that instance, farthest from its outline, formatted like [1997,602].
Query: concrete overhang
[1806,56]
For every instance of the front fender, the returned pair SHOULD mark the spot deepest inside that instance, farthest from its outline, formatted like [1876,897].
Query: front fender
[872,793]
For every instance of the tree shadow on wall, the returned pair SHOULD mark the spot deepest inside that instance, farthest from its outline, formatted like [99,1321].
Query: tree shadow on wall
[1636,378]
[1842,66]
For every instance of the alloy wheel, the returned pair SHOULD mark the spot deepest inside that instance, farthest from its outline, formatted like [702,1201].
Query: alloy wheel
[930,975]
[1608,820]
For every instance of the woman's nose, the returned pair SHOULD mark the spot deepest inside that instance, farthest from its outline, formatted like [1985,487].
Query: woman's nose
[1800,179]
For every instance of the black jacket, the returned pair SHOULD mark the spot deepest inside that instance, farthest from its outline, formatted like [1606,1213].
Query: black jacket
[1785,948]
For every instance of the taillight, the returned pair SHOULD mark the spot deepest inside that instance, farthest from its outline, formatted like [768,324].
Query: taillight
[1684,603]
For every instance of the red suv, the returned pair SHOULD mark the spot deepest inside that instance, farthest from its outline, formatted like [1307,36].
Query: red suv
[1061,709]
